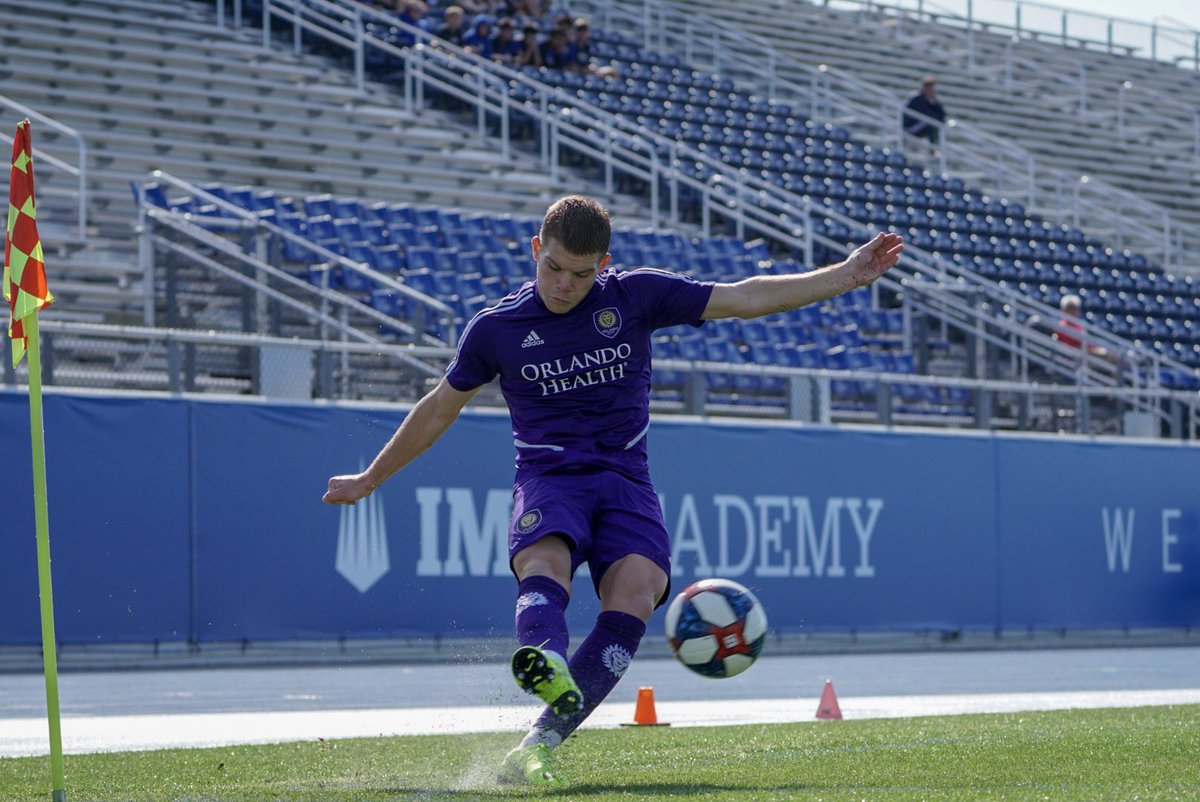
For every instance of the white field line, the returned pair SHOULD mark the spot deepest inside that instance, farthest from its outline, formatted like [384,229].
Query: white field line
[28,736]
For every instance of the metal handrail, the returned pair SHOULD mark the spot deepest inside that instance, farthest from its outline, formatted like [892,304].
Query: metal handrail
[250,221]
[371,347]
[1152,40]
[1074,77]
[1153,111]
[1187,426]
[198,230]
[185,224]
[493,90]
[79,170]
[1129,218]
[1011,170]
[740,197]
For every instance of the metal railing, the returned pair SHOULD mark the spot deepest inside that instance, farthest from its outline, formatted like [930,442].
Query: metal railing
[747,202]
[1008,170]
[1164,39]
[181,361]
[78,170]
[562,122]
[1117,101]
[1136,101]
[996,318]
[177,360]
[1000,166]
[937,298]
[242,288]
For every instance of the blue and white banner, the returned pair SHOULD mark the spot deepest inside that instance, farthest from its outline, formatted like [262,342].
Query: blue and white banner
[174,519]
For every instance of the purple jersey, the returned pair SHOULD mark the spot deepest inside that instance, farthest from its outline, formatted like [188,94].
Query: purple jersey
[578,384]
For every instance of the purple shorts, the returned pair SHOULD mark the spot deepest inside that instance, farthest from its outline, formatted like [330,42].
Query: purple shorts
[603,516]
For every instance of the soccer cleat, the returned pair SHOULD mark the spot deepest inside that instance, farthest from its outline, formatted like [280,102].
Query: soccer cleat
[531,765]
[545,675]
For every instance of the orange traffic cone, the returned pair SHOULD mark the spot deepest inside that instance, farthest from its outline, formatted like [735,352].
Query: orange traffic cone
[643,714]
[828,707]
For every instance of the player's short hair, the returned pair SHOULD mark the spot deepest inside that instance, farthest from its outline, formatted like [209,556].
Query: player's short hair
[580,224]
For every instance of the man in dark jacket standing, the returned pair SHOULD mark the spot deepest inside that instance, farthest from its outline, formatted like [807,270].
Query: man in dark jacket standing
[925,103]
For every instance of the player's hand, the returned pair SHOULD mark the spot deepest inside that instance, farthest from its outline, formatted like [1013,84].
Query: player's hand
[347,489]
[870,261]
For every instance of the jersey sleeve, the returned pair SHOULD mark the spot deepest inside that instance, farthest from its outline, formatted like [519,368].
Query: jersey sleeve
[669,299]
[474,363]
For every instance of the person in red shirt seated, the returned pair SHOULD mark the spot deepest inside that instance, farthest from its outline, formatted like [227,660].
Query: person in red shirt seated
[1070,329]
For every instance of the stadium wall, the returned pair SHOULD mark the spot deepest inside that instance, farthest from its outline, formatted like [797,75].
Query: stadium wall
[177,519]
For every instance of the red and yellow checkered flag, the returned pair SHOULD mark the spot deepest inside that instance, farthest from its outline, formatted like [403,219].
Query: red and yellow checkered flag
[24,272]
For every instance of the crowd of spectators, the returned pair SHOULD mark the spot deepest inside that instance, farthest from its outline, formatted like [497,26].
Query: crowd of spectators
[509,32]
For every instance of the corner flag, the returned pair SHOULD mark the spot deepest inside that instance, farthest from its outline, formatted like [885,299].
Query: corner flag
[26,292]
[24,272]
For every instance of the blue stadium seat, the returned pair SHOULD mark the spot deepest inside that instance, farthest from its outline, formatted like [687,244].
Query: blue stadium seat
[396,214]
[350,230]
[316,205]
[390,302]
[320,228]
[420,258]
[404,235]
[353,280]
[389,259]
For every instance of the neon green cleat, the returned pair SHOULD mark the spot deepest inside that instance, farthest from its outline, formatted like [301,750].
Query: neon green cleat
[531,765]
[546,676]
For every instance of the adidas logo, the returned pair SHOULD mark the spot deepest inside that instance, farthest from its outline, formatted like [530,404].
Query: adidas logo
[532,340]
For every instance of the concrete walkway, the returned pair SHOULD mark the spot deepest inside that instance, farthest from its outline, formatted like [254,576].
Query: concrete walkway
[106,711]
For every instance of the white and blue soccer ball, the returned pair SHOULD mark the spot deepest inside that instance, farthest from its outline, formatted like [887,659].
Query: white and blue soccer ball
[716,628]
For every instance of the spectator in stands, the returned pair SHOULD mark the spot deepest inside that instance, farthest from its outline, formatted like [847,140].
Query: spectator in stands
[411,13]
[475,7]
[572,352]
[583,62]
[563,21]
[531,54]
[479,37]
[505,45]
[452,29]
[557,51]
[1070,329]
[529,9]
[926,103]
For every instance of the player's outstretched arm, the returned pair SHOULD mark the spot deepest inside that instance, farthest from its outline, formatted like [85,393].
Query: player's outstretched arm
[422,427]
[765,295]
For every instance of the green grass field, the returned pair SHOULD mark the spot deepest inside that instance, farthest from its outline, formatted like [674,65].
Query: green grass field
[1122,754]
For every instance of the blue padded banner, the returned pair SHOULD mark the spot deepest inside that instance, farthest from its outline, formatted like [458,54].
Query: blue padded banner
[117,475]
[175,519]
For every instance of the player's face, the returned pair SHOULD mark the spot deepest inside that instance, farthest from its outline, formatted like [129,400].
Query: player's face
[564,278]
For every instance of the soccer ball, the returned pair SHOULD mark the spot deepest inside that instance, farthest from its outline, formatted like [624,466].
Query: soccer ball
[716,628]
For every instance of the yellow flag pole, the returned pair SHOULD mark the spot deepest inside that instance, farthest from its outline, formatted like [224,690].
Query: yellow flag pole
[45,587]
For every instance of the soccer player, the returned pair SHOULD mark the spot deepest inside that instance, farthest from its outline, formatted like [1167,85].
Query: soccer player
[572,350]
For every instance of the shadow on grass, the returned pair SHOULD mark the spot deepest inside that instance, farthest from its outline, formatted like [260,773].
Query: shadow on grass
[639,790]
[672,789]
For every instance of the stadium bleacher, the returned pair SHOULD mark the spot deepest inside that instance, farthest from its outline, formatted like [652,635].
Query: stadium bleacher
[160,86]
[1122,291]
[1128,119]
[457,245]
[471,260]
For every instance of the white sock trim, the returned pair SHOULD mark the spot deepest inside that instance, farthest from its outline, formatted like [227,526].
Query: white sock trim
[537,736]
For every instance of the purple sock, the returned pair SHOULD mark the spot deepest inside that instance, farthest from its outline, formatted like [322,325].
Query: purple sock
[597,665]
[541,614]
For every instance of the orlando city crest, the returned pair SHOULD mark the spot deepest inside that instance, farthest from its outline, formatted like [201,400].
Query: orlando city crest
[529,521]
[608,321]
